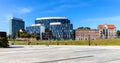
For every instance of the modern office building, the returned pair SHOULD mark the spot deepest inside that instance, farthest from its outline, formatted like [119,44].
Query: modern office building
[15,25]
[107,30]
[60,27]
[36,29]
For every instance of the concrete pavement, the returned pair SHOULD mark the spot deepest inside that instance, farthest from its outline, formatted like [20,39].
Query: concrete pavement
[60,54]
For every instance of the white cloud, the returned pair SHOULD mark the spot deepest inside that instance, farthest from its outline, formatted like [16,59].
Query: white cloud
[25,10]
[20,10]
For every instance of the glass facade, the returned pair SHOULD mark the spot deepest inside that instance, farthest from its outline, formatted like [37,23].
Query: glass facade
[33,29]
[15,25]
[62,31]
[60,27]
[36,29]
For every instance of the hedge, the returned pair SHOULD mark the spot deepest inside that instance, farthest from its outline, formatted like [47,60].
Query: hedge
[3,42]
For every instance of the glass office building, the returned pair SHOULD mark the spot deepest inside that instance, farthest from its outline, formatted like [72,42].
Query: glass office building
[61,31]
[15,25]
[60,27]
[36,29]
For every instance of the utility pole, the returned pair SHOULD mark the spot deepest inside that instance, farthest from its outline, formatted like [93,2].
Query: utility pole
[89,40]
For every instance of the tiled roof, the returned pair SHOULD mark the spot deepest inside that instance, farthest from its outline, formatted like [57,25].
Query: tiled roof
[109,26]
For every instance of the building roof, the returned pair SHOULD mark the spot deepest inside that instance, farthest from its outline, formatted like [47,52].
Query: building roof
[50,18]
[109,26]
[16,18]
[55,23]
[87,30]
[37,25]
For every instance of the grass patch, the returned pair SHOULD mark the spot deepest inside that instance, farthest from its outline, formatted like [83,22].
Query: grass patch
[100,42]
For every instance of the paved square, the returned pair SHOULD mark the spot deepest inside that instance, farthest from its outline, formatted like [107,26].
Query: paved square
[60,54]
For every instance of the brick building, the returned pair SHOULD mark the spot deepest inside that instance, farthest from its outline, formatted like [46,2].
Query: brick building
[104,31]
[87,34]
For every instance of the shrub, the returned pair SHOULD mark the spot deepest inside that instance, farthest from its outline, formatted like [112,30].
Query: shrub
[3,42]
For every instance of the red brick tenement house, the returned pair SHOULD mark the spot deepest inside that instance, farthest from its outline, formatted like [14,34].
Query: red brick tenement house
[107,30]
[87,34]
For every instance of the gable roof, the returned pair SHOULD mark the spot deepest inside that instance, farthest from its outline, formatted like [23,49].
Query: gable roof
[109,26]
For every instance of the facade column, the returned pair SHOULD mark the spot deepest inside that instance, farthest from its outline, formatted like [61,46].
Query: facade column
[108,33]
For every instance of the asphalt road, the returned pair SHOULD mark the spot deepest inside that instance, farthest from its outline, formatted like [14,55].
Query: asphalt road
[60,54]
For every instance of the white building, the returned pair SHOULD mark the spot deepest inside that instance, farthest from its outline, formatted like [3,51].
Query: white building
[107,30]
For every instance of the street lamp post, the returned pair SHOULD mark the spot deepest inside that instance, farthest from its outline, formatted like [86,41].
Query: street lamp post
[89,40]
[49,38]
[63,33]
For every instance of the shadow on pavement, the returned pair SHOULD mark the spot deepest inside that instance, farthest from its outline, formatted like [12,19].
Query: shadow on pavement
[64,59]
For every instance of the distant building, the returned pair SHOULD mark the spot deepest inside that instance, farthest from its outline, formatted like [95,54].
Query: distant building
[87,34]
[15,25]
[107,30]
[3,34]
[60,27]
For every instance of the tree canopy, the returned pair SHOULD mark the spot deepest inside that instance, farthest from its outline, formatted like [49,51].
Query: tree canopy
[25,34]
[118,33]
[83,28]
[3,42]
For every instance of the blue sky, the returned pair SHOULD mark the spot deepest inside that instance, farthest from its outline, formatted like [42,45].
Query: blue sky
[81,12]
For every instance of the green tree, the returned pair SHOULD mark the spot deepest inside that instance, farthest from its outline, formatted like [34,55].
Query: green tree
[3,42]
[118,33]
[83,28]
[8,36]
[23,34]
[80,28]
[37,36]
